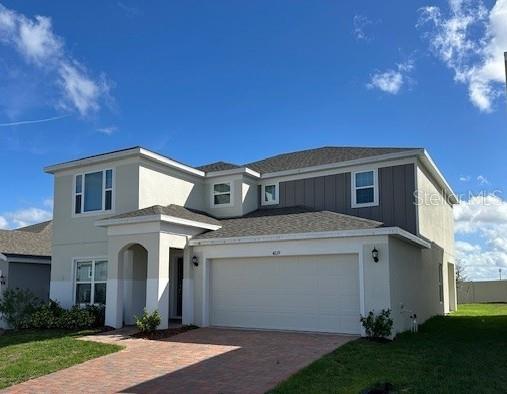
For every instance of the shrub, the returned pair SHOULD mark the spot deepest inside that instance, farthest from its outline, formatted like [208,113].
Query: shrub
[76,317]
[378,326]
[52,315]
[99,314]
[148,322]
[17,307]
[47,316]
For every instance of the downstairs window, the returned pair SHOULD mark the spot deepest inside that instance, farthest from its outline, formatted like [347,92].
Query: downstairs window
[91,281]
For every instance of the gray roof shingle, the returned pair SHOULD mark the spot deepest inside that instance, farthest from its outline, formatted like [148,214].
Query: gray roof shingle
[316,157]
[32,240]
[217,166]
[38,227]
[170,210]
[305,158]
[287,221]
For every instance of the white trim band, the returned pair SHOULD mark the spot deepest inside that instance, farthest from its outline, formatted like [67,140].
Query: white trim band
[394,231]
[156,218]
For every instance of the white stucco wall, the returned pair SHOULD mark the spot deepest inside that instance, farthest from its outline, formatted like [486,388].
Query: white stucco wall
[76,236]
[244,196]
[159,185]
[414,284]
[436,223]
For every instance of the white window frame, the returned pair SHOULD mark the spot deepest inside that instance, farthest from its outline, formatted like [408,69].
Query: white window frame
[83,191]
[276,201]
[213,194]
[353,188]
[92,282]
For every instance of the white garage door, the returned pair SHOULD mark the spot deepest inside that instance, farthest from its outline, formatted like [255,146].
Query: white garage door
[307,293]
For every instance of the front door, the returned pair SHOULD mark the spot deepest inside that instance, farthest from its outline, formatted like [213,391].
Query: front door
[179,286]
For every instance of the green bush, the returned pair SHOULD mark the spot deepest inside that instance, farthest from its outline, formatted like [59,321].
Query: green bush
[47,316]
[17,307]
[378,326]
[99,314]
[148,322]
[75,318]
[21,309]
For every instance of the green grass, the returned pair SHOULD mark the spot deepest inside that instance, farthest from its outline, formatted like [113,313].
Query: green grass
[27,354]
[463,352]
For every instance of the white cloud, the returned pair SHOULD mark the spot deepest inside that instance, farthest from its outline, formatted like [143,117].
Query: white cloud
[107,130]
[464,178]
[48,203]
[36,42]
[482,180]
[129,10]
[361,22]
[484,219]
[25,217]
[392,80]
[471,41]
[3,223]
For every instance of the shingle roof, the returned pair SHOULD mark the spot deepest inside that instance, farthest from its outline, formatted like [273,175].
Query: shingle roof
[170,210]
[316,157]
[38,227]
[287,221]
[217,166]
[32,240]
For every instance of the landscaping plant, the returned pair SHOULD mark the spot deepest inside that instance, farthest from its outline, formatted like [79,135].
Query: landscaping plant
[378,326]
[22,309]
[148,322]
[17,307]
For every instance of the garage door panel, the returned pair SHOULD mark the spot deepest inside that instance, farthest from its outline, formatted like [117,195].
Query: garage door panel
[309,293]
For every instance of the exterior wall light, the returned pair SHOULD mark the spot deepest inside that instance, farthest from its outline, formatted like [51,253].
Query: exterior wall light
[195,261]
[374,254]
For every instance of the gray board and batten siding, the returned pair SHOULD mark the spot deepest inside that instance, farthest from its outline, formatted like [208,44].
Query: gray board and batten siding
[333,193]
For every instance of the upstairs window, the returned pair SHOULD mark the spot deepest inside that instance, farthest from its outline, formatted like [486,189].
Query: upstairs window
[269,194]
[364,189]
[93,192]
[222,195]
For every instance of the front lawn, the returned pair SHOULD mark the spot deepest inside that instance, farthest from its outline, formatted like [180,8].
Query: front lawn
[463,352]
[27,354]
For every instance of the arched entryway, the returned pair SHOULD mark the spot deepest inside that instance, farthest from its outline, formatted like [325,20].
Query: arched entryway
[134,260]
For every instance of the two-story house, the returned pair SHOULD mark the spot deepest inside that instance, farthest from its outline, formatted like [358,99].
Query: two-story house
[305,241]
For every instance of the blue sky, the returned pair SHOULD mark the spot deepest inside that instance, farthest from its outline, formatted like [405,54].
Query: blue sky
[238,81]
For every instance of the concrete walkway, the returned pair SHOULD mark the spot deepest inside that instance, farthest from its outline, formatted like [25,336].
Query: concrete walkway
[205,360]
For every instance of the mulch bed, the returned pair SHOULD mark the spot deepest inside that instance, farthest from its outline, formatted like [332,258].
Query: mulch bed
[162,334]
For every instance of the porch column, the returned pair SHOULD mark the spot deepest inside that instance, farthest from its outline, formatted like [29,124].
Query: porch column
[157,283]
[114,288]
[188,287]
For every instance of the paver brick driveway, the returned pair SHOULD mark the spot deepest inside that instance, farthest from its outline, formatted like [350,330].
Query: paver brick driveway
[210,360]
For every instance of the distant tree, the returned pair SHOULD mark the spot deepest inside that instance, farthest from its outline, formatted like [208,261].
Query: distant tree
[460,274]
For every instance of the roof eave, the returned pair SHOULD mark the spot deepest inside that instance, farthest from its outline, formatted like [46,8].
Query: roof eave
[142,152]
[435,172]
[233,171]
[394,231]
[156,218]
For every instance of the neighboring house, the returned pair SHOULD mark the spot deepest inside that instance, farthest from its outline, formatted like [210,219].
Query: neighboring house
[482,291]
[306,241]
[25,259]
